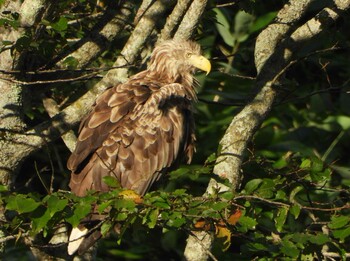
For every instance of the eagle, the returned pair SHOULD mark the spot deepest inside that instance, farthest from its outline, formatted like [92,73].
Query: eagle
[139,129]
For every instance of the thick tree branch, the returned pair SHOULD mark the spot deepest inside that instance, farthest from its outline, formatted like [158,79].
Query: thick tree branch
[174,19]
[191,19]
[31,11]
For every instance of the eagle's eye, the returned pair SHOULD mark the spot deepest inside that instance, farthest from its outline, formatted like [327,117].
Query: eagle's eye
[188,55]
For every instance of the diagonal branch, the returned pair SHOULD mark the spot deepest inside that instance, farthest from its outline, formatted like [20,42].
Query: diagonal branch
[174,19]
[191,19]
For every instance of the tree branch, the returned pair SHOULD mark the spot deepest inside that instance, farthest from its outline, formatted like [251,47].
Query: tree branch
[191,19]
[174,19]
[31,11]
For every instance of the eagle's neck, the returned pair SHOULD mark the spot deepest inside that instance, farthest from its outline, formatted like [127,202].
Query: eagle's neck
[167,77]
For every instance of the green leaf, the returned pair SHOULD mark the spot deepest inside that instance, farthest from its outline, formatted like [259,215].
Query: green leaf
[151,217]
[21,203]
[104,205]
[124,204]
[281,195]
[55,204]
[111,181]
[61,25]
[159,202]
[80,211]
[344,171]
[319,239]
[289,248]
[280,164]
[294,192]
[257,247]
[243,23]
[339,222]
[281,218]
[262,21]
[228,195]
[223,27]
[121,216]
[342,233]
[180,192]
[179,173]
[295,211]
[247,223]
[177,222]
[220,205]
[72,63]
[106,227]
[316,164]
[40,219]
[3,188]
[342,120]
[306,163]
[252,185]
[266,190]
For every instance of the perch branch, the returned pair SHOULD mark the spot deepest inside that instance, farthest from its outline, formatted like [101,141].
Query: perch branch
[191,19]
[174,19]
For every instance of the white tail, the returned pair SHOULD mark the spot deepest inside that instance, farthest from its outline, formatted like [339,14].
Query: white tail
[76,238]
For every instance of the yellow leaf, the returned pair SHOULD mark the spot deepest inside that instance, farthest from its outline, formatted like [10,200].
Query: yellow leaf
[131,194]
[224,233]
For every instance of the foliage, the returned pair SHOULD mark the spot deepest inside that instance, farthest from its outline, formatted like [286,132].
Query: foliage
[293,200]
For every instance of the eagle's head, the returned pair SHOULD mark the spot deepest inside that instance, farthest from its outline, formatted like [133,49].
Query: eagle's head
[177,59]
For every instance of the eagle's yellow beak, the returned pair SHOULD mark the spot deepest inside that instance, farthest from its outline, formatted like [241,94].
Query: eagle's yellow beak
[200,62]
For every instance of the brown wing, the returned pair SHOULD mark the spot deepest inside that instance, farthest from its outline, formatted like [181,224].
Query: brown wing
[134,132]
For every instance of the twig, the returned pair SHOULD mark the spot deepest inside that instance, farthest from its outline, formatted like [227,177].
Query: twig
[263,199]
[237,76]
[227,4]
[40,178]
[64,70]
[347,206]
[333,254]
[80,78]
[11,237]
